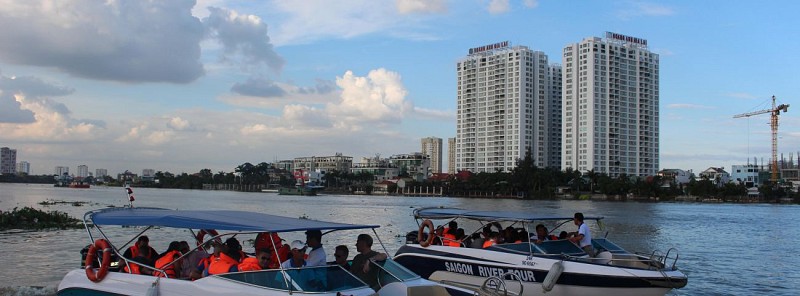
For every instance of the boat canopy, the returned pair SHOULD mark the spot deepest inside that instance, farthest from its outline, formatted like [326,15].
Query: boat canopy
[454,213]
[211,219]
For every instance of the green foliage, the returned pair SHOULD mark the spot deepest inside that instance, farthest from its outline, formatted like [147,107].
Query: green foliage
[30,218]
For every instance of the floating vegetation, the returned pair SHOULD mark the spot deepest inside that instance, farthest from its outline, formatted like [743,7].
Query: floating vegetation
[30,218]
[51,202]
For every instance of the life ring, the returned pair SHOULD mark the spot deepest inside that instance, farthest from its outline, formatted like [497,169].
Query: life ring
[202,234]
[101,273]
[427,223]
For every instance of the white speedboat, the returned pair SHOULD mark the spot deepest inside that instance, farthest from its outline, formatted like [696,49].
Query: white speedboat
[96,279]
[556,267]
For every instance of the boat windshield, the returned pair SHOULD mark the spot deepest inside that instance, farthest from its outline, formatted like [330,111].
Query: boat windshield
[554,247]
[329,278]
[391,271]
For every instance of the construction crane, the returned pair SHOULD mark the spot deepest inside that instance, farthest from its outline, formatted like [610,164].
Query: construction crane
[774,112]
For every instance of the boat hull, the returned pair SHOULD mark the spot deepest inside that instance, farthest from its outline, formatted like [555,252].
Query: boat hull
[471,267]
[297,191]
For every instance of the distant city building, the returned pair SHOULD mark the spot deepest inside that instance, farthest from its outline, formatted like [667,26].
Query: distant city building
[416,165]
[432,147]
[61,171]
[127,177]
[324,163]
[505,108]
[381,168]
[611,106]
[675,175]
[747,175]
[554,87]
[24,167]
[148,175]
[451,155]
[285,165]
[83,171]
[8,160]
[100,173]
[718,176]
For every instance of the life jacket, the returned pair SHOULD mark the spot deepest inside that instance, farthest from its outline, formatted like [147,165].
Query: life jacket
[263,241]
[450,238]
[134,268]
[250,263]
[488,243]
[221,264]
[163,261]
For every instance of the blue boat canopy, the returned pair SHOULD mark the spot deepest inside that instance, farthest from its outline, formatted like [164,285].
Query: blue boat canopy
[211,219]
[453,213]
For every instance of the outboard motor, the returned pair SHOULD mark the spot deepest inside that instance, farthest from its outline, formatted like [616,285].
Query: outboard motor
[411,237]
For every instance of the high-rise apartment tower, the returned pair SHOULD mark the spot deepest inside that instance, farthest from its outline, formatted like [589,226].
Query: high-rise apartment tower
[432,147]
[610,111]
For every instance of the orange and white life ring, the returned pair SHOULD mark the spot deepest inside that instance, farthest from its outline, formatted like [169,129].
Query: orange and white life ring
[202,234]
[427,223]
[100,274]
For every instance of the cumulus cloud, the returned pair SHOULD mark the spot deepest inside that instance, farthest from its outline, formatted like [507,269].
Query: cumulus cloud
[305,116]
[178,123]
[498,6]
[379,97]
[242,37]
[421,6]
[321,87]
[126,40]
[15,89]
[258,87]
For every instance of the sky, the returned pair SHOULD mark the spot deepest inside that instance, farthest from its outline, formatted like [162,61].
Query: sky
[181,86]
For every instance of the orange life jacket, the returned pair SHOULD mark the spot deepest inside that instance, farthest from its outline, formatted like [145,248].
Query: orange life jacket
[249,263]
[488,243]
[164,260]
[277,257]
[134,268]
[221,264]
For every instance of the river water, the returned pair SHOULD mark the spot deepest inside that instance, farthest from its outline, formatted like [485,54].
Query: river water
[726,249]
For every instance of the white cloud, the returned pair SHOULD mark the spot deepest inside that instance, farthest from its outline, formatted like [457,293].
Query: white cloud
[498,6]
[178,123]
[130,41]
[378,97]
[421,6]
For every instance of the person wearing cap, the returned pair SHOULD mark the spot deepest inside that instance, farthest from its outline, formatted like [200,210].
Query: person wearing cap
[316,256]
[298,256]
[366,256]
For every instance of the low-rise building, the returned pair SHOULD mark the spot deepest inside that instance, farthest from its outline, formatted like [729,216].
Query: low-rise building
[718,176]
[747,174]
[678,176]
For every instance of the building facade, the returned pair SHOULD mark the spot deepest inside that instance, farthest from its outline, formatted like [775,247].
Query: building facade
[100,173]
[451,155]
[337,162]
[432,147]
[416,165]
[503,108]
[747,174]
[83,171]
[8,160]
[61,171]
[24,167]
[610,106]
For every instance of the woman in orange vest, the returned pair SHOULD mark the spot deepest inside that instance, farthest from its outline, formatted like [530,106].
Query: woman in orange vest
[173,252]
[225,258]
[492,240]
[259,262]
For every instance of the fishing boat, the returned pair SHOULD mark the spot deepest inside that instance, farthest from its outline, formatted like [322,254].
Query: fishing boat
[298,190]
[529,267]
[96,279]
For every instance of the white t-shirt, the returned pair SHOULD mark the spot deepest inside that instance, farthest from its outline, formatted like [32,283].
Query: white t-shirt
[316,257]
[288,264]
[587,236]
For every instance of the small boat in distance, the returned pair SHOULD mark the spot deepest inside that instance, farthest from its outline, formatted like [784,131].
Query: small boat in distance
[300,187]
[79,184]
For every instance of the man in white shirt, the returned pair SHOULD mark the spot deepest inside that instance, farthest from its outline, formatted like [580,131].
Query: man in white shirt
[316,257]
[298,256]
[583,238]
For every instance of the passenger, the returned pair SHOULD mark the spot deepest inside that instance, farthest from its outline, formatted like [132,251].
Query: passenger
[140,248]
[265,240]
[509,235]
[200,269]
[449,234]
[259,262]
[170,270]
[298,256]
[476,241]
[522,236]
[461,237]
[437,237]
[140,269]
[361,262]
[563,235]
[340,257]
[316,256]
[583,238]
[542,234]
[493,236]
[191,260]
[224,259]
[234,249]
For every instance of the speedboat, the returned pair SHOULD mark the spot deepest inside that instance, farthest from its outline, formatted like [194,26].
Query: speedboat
[530,267]
[96,279]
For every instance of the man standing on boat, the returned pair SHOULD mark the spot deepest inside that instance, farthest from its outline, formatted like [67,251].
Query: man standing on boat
[316,257]
[365,257]
[583,238]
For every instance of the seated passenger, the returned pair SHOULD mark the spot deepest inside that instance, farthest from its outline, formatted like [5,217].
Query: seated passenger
[223,260]
[563,235]
[140,269]
[259,262]
[298,256]
[170,270]
[449,234]
[235,249]
[522,236]
[493,237]
[542,234]
[340,257]
[476,241]
[437,237]
[361,263]
[140,248]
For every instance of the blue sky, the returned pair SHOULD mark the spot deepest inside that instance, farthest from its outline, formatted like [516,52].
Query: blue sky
[180,86]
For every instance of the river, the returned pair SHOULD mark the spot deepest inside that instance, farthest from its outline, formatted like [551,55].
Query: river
[726,249]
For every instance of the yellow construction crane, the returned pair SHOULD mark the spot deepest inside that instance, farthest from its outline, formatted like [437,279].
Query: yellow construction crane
[774,112]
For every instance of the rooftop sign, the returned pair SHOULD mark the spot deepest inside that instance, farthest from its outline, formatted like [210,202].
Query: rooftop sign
[478,49]
[625,38]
